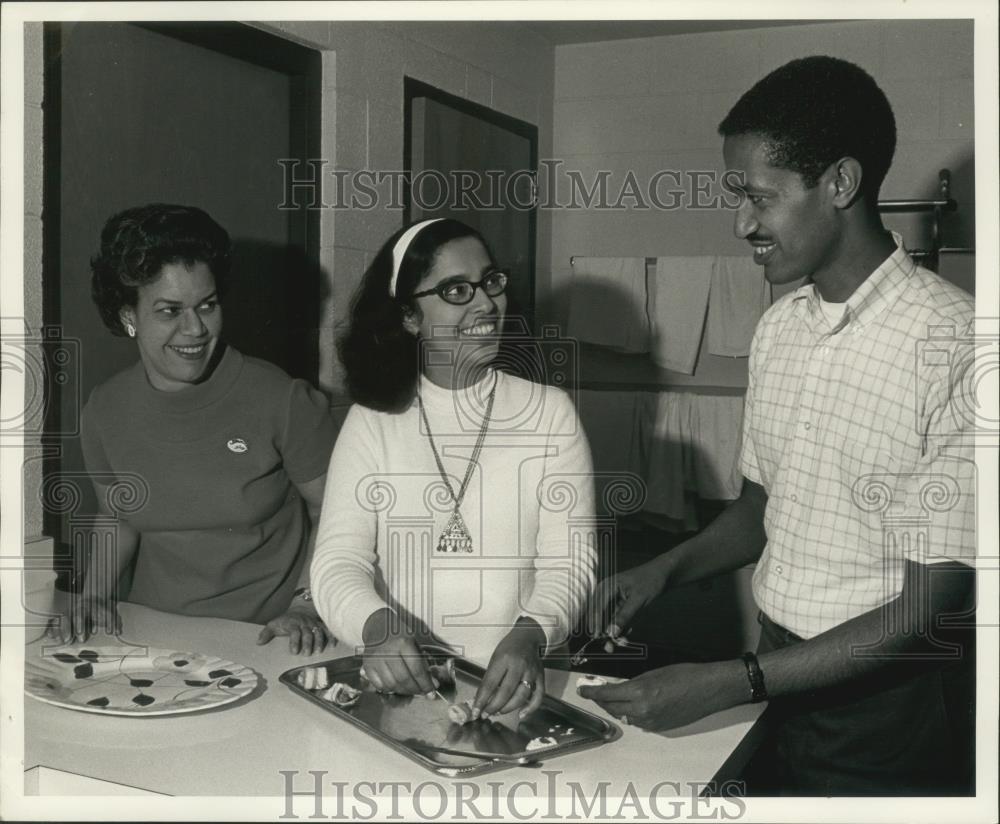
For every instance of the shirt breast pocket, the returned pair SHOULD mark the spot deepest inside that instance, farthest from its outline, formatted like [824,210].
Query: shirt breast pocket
[870,474]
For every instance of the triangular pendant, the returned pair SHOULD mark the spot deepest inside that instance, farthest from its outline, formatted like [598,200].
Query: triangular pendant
[455,537]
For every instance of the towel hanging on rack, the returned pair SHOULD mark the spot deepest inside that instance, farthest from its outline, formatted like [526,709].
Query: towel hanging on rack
[608,303]
[738,297]
[679,299]
[686,443]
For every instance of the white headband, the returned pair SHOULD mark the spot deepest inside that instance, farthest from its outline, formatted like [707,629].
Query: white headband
[399,250]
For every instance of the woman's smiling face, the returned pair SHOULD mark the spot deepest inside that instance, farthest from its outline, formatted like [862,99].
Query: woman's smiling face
[458,336]
[177,322]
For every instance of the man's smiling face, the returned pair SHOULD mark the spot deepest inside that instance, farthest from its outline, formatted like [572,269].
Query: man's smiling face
[791,227]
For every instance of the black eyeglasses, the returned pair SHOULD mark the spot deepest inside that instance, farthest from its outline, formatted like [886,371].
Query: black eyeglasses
[459,292]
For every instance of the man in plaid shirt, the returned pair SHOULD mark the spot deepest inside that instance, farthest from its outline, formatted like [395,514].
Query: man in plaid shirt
[859,483]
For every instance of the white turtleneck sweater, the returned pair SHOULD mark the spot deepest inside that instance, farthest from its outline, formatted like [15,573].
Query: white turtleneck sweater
[529,509]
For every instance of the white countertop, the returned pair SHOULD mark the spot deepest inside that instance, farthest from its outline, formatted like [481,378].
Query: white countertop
[238,750]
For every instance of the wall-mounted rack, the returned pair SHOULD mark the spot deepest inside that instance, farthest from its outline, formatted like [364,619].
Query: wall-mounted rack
[937,207]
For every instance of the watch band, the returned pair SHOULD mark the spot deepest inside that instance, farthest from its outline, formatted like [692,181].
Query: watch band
[758,692]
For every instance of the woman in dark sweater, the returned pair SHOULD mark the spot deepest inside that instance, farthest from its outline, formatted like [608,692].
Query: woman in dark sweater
[232,451]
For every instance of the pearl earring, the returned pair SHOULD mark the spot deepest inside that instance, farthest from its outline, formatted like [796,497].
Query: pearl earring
[130,329]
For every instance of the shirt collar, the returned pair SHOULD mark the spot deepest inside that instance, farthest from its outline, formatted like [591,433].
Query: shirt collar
[875,293]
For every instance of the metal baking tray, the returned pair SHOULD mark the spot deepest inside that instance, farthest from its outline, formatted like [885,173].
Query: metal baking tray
[419,727]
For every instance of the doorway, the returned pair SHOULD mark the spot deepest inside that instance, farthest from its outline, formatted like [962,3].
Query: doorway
[487,161]
[190,113]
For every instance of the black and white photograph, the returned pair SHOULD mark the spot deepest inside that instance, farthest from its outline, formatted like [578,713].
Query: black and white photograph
[500,411]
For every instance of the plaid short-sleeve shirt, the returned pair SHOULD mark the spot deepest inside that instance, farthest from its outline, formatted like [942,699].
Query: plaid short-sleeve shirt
[861,436]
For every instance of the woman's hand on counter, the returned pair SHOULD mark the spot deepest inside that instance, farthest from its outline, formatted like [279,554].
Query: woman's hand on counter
[619,597]
[393,661]
[515,677]
[307,634]
[79,617]
[670,697]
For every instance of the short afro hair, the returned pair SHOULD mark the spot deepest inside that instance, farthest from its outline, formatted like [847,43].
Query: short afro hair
[813,111]
[137,243]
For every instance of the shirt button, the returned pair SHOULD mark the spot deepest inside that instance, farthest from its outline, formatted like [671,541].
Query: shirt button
[807,425]
[793,498]
[778,569]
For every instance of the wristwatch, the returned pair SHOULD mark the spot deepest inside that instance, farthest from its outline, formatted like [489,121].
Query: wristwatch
[304,593]
[758,692]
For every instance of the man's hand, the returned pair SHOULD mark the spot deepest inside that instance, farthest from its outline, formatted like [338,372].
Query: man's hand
[670,697]
[515,677]
[305,630]
[618,598]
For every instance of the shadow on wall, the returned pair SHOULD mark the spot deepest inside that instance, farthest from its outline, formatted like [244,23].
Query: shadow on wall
[604,313]
[272,309]
[959,227]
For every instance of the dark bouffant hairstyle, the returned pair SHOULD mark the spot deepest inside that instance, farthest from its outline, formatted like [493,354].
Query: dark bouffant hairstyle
[380,357]
[814,111]
[137,243]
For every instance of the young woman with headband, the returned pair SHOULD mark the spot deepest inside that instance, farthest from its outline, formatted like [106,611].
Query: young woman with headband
[446,517]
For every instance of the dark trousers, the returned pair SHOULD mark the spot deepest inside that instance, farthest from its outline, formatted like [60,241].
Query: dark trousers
[909,730]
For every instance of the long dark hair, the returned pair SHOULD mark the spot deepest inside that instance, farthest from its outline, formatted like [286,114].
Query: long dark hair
[381,358]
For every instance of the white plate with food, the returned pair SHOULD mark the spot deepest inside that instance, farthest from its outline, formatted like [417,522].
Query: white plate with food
[136,681]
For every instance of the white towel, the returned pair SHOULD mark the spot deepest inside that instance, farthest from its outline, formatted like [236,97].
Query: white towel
[663,427]
[684,444]
[738,298]
[679,297]
[608,303]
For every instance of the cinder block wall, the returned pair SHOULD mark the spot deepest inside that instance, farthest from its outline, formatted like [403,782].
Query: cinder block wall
[501,65]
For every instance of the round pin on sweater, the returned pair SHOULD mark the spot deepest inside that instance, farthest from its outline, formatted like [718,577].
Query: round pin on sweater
[237,445]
